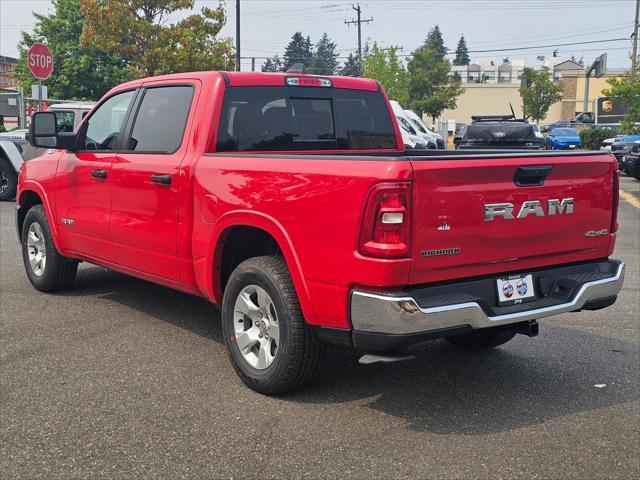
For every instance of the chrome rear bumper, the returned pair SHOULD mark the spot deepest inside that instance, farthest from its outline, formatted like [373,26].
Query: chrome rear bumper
[398,314]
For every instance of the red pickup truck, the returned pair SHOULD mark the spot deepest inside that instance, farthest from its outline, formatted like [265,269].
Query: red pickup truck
[290,200]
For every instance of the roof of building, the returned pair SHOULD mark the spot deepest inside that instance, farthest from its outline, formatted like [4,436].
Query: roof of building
[6,59]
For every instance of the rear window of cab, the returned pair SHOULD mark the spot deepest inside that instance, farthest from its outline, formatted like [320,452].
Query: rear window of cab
[272,118]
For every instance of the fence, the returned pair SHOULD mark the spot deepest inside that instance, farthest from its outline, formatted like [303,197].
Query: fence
[15,108]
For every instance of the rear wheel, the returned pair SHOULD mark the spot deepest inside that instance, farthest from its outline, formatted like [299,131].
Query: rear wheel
[267,338]
[8,180]
[48,271]
[483,339]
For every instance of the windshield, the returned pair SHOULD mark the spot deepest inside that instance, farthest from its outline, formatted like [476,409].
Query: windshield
[406,125]
[417,125]
[565,132]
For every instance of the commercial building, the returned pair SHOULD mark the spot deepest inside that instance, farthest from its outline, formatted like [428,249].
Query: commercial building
[490,88]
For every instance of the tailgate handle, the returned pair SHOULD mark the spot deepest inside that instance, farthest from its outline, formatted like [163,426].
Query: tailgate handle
[531,176]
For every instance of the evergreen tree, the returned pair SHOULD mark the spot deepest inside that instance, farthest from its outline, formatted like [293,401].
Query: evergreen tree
[435,42]
[299,50]
[462,53]
[350,67]
[325,58]
[272,64]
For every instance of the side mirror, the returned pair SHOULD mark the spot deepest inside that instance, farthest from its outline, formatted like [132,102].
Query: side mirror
[43,131]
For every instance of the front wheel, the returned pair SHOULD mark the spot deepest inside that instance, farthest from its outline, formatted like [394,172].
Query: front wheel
[268,341]
[8,180]
[48,271]
[484,338]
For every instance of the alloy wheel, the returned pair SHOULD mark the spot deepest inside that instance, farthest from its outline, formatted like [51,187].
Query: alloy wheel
[36,249]
[256,327]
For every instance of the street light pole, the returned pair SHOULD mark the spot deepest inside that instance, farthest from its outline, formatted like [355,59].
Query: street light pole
[237,35]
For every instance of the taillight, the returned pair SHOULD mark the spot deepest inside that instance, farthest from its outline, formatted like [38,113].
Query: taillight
[386,228]
[616,201]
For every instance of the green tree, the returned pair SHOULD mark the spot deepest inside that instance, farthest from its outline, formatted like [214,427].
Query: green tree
[81,73]
[627,91]
[384,66]
[436,42]
[325,58]
[273,64]
[350,68]
[539,93]
[462,53]
[141,33]
[432,89]
[299,50]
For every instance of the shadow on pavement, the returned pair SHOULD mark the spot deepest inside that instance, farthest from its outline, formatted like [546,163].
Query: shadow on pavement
[444,390]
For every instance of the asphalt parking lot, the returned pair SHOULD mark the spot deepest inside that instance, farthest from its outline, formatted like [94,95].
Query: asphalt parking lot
[120,378]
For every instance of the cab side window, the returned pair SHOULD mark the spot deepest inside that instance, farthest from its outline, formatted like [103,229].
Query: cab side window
[106,122]
[161,120]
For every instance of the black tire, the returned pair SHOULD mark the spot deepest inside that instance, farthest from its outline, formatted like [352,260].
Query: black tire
[297,359]
[58,272]
[8,181]
[483,339]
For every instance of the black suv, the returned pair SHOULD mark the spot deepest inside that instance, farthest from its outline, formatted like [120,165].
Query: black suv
[502,131]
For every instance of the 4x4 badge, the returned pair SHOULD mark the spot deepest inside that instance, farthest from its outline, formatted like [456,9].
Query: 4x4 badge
[596,233]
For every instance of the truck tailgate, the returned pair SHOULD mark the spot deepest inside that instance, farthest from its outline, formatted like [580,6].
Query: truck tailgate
[463,225]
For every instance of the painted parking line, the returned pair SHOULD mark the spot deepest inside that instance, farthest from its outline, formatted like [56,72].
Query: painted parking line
[630,198]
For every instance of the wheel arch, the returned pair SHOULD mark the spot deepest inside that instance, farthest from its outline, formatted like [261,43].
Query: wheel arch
[31,193]
[265,228]
[9,151]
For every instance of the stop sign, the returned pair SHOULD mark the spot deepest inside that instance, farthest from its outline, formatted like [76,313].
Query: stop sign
[40,61]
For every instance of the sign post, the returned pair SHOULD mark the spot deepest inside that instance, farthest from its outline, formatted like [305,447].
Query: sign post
[41,66]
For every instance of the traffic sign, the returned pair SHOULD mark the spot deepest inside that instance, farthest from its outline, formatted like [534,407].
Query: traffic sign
[40,61]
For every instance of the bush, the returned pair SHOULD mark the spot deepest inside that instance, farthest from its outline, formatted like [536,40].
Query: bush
[592,138]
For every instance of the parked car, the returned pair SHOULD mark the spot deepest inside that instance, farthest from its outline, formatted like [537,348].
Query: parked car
[630,162]
[502,131]
[290,200]
[409,125]
[420,125]
[563,139]
[619,150]
[15,147]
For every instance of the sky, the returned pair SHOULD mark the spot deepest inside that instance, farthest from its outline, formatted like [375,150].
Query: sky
[545,25]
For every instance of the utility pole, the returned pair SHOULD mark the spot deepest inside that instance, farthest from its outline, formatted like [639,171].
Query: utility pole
[359,21]
[634,55]
[237,35]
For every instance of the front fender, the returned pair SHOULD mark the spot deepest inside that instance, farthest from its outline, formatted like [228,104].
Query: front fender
[33,186]
[270,225]
[11,152]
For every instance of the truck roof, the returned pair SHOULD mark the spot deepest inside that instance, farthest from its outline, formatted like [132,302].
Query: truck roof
[72,106]
[245,79]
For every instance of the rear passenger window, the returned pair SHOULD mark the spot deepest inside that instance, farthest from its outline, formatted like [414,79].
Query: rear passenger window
[161,120]
[303,118]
